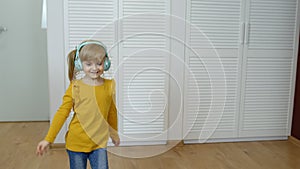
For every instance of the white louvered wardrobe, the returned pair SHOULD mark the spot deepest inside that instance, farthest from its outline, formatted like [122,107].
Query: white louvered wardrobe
[256,43]
[197,70]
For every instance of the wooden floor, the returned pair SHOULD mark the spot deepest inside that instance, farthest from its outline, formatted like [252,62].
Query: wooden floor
[18,142]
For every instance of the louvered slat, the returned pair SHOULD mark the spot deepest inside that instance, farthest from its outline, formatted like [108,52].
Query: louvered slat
[91,19]
[145,23]
[145,100]
[208,88]
[215,21]
[272,24]
[205,95]
[267,91]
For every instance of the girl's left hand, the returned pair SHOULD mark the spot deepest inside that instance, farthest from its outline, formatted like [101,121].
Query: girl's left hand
[42,147]
[116,141]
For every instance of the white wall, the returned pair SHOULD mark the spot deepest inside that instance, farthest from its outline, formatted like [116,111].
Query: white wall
[56,58]
[23,71]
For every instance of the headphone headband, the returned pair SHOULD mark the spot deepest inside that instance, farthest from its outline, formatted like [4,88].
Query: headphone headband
[87,43]
[77,60]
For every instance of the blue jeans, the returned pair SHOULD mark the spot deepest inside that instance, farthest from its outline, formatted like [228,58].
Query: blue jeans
[97,158]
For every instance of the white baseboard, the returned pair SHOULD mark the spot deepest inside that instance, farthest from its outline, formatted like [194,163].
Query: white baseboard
[192,141]
[138,143]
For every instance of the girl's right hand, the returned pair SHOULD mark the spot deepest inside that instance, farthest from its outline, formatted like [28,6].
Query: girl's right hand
[42,147]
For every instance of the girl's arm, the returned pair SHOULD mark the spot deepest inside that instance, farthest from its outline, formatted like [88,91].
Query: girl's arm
[113,124]
[113,118]
[61,115]
[59,119]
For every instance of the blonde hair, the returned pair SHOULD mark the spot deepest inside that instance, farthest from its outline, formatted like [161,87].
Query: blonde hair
[89,52]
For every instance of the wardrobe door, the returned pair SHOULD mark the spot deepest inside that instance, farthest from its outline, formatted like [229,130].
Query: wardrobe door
[268,68]
[214,35]
[143,70]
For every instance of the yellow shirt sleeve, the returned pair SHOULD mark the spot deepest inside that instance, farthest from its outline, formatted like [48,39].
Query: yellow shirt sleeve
[61,115]
[112,115]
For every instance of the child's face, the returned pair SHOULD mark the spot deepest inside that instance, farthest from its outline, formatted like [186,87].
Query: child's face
[93,69]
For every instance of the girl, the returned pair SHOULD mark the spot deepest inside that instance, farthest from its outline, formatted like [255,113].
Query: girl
[95,114]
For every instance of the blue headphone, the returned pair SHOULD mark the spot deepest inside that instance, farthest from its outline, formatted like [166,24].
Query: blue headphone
[77,61]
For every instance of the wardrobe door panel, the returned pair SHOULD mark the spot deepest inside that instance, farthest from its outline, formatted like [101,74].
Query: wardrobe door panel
[90,19]
[213,56]
[143,70]
[268,68]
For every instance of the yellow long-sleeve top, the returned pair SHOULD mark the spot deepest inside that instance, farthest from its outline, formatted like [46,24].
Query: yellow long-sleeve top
[95,116]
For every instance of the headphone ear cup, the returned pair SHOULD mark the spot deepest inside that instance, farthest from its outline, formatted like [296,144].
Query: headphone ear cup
[107,64]
[77,64]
